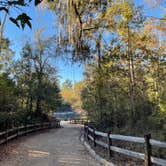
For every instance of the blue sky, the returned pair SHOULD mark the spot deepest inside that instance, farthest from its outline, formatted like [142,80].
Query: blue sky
[47,19]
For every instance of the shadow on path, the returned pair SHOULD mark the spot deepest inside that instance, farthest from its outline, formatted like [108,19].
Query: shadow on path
[57,147]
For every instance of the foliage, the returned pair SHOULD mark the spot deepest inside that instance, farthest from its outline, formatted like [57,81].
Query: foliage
[36,78]
[125,77]
[29,90]
[124,89]
[72,95]
[124,52]
[6,55]
[21,19]
[106,95]
[8,100]
[67,84]
[65,107]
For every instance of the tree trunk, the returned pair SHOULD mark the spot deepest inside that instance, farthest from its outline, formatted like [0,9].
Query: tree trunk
[38,106]
[39,98]
[99,82]
[131,81]
[30,104]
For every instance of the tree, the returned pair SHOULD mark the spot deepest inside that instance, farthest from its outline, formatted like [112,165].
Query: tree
[8,100]
[72,94]
[77,25]
[6,55]
[126,83]
[67,84]
[36,79]
[21,19]
[25,77]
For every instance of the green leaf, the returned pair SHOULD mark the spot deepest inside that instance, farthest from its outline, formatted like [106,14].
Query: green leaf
[14,21]
[24,19]
[5,9]
[37,2]
[18,2]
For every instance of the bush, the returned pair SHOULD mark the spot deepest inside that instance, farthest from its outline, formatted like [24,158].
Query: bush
[14,119]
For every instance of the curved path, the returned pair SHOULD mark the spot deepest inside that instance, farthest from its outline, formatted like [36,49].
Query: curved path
[56,147]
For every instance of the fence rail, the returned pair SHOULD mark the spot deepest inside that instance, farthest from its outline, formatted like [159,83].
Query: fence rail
[91,134]
[78,121]
[23,130]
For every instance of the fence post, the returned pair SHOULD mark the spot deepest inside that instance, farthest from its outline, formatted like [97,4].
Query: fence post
[50,125]
[6,134]
[94,137]
[84,131]
[87,133]
[109,142]
[25,132]
[41,126]
[17,130]
[148,150]
[57,124]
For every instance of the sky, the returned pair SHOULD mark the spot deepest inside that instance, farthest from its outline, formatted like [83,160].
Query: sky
[46,19]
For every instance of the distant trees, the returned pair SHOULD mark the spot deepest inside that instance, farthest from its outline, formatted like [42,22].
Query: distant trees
[8,100]
[65,107]
[67,84]
[7,85]
[71,94]
[29,86]
[125,77]
[38,78]
[113,81]
[124,52]
[8,97]
[6,55]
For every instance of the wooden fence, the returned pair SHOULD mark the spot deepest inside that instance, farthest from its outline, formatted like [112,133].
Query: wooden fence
[91,134]
[23,130]
[78,121]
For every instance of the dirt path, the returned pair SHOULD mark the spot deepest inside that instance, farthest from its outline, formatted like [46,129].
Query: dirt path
[56,147]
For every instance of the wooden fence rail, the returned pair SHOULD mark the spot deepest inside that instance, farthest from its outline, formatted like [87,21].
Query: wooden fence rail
[78,121]
[23,130]
[92,134]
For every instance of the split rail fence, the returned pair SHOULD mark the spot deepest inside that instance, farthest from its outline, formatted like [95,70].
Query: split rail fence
[10,134]
[91,134]
[78,121]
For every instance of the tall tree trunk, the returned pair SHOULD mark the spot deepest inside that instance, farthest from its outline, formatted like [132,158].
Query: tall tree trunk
[30,103]
[131,81]
[38,106]
[99,83]
[157,99]
[39,88]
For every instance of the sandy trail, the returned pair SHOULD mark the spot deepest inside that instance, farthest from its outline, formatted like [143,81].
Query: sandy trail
[56,147]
